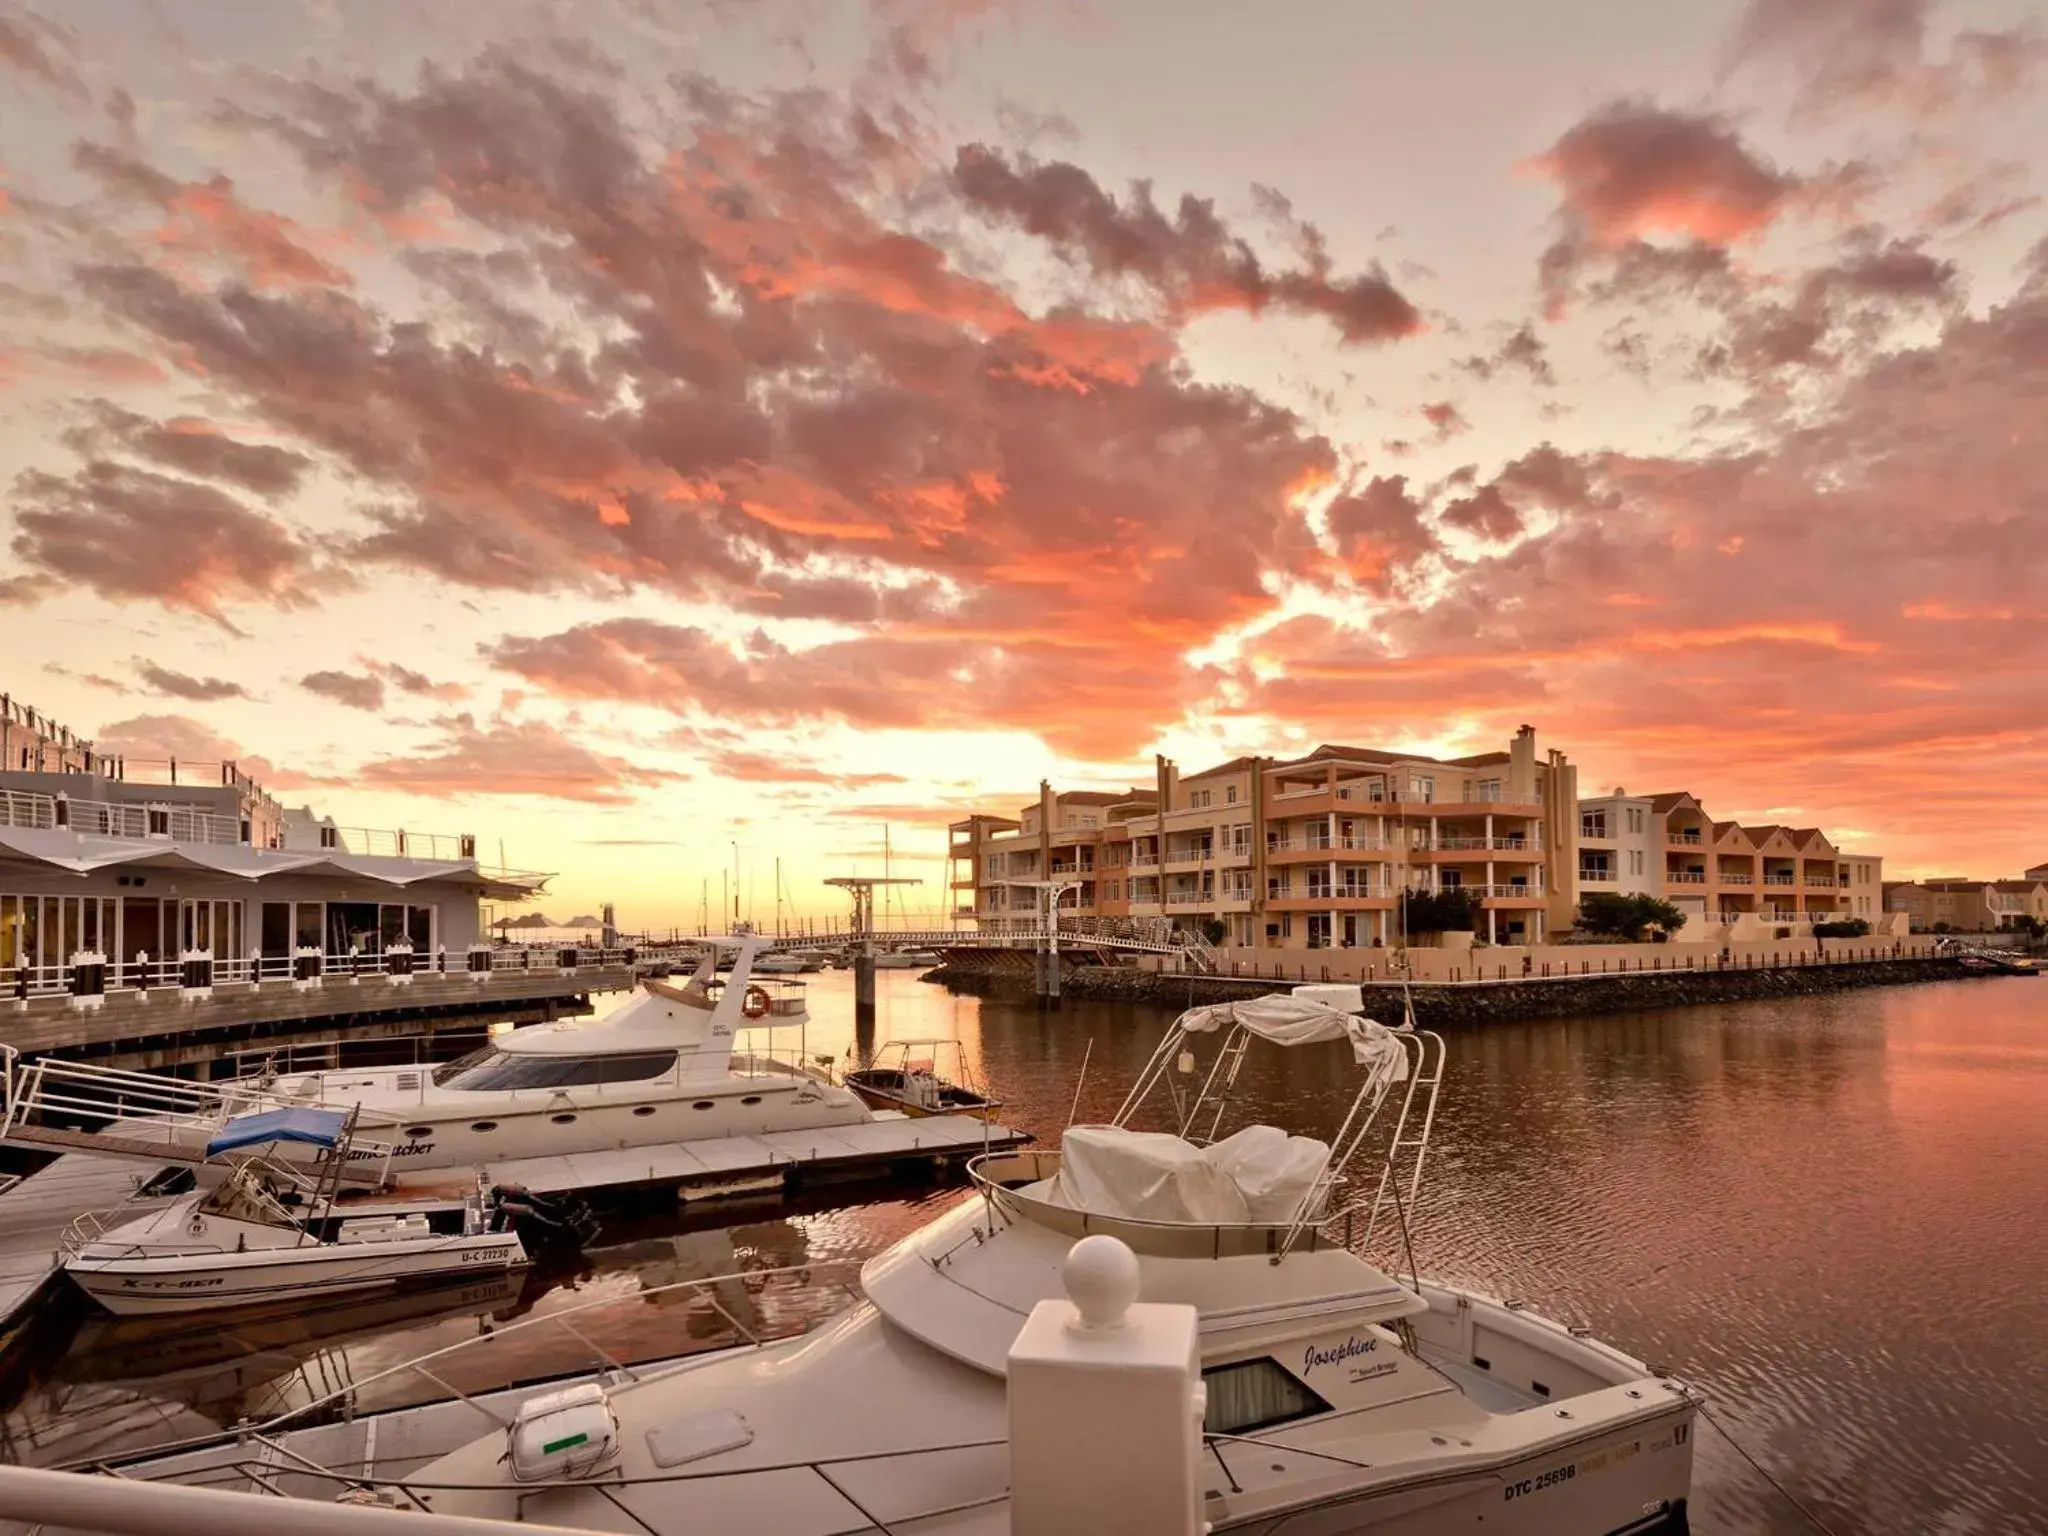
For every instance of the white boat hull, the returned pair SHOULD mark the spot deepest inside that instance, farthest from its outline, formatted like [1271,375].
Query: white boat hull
[195,1282]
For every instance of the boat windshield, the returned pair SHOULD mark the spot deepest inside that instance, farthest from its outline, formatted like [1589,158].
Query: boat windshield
[490,1068]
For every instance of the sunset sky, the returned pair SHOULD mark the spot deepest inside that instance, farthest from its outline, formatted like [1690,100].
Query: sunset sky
[632,429]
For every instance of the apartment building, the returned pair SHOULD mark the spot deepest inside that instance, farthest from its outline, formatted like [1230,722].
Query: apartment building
[2038,872]
[1296,853]
[1722,874]
[1968,906]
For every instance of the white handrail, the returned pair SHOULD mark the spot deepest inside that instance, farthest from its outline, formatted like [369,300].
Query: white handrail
[127,1508]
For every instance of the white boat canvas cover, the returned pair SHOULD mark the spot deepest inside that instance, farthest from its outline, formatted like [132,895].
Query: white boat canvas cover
[1257,1176]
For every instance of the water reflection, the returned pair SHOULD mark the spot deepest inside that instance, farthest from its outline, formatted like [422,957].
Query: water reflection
[1824,1212]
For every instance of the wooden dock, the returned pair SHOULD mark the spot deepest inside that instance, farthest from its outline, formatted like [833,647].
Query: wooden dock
[874,1149]
[34,1214]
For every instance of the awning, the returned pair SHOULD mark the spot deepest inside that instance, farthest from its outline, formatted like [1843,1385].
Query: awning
[314,1127]
[85,853]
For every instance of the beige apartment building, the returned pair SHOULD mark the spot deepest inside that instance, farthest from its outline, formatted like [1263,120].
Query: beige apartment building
[1297,853]
[1969,906]
[1721,874]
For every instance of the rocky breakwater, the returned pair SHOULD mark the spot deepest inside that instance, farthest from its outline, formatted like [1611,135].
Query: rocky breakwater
[997,974]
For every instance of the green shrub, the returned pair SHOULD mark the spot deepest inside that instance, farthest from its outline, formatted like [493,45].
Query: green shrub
[1627,917]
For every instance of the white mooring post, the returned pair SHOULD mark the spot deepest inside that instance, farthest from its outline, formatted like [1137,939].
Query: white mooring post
[1106,1404]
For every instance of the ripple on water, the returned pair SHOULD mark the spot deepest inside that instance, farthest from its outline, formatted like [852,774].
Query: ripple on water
[1823,1212]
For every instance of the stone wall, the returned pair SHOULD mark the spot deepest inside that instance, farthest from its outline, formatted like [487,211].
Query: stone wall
[991,974]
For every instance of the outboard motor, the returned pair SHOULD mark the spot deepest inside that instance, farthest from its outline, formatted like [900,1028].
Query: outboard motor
[545,1223]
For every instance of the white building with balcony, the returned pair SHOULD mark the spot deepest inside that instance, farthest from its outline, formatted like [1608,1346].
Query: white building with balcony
[142,862]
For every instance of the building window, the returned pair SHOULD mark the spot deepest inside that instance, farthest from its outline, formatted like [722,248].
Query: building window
[1199,799]
[1635,861]
[1425,788]
[1230,794]
[1489,789]
[1592,824]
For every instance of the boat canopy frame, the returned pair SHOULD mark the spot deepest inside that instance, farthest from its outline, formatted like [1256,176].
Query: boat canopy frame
[1391,1056]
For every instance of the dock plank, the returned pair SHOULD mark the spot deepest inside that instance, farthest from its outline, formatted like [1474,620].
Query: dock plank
[35,1212]
[840,1147]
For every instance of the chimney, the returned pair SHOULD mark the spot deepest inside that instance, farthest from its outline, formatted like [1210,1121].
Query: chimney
[1168,781]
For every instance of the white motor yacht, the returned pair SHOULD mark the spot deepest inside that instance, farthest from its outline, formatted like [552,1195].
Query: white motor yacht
[271,1232]
[659,1069]
[1338,1397]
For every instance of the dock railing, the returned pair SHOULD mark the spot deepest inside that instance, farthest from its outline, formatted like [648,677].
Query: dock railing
[91,974]
[95,1107]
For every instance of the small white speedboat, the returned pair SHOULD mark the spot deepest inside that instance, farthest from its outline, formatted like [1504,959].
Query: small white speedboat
[906,959]
[275,1232]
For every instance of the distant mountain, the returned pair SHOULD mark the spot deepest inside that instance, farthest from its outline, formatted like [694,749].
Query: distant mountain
[531,920]
[583,922]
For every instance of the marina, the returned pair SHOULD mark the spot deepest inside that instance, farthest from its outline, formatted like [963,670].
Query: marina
[1547,1188]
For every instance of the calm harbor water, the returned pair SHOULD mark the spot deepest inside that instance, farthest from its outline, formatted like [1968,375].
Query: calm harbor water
[1826,1213]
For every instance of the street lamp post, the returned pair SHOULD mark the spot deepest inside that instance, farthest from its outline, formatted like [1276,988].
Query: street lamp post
[1049,957]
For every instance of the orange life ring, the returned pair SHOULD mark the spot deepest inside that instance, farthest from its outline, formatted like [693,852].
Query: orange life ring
[756,1004]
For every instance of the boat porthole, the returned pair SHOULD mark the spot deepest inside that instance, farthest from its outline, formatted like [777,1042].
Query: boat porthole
[417,1132]
[703,1104]
[752,1098]
[562,1119]
[483,1125]
[643,1109]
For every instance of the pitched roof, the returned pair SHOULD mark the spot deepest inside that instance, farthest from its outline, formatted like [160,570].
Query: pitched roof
[1103,797]
[1235,765]
[1481,760]
[1663,803]
[2016,885]
[1328,750]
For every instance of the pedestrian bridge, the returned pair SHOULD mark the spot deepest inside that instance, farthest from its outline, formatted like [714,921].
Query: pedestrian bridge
[951,938]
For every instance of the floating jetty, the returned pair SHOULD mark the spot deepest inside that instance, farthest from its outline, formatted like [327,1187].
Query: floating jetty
[35,1211]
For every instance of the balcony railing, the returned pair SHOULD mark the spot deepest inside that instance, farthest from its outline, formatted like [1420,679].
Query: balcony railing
[1598,877]
[1686,876]
[1821,882]
[1780,880]
[172,823]
[1505,844]
[144,972]
[1728,877]
[1683,839]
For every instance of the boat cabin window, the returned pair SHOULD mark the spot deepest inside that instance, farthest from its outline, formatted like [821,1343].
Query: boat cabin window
[1251,1395]
[492,1069]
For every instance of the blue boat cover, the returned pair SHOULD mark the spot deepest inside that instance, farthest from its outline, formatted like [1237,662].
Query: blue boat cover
[315,1127]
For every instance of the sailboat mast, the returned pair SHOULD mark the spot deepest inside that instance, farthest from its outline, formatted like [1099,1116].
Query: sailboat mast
[778,896]
[886,886]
